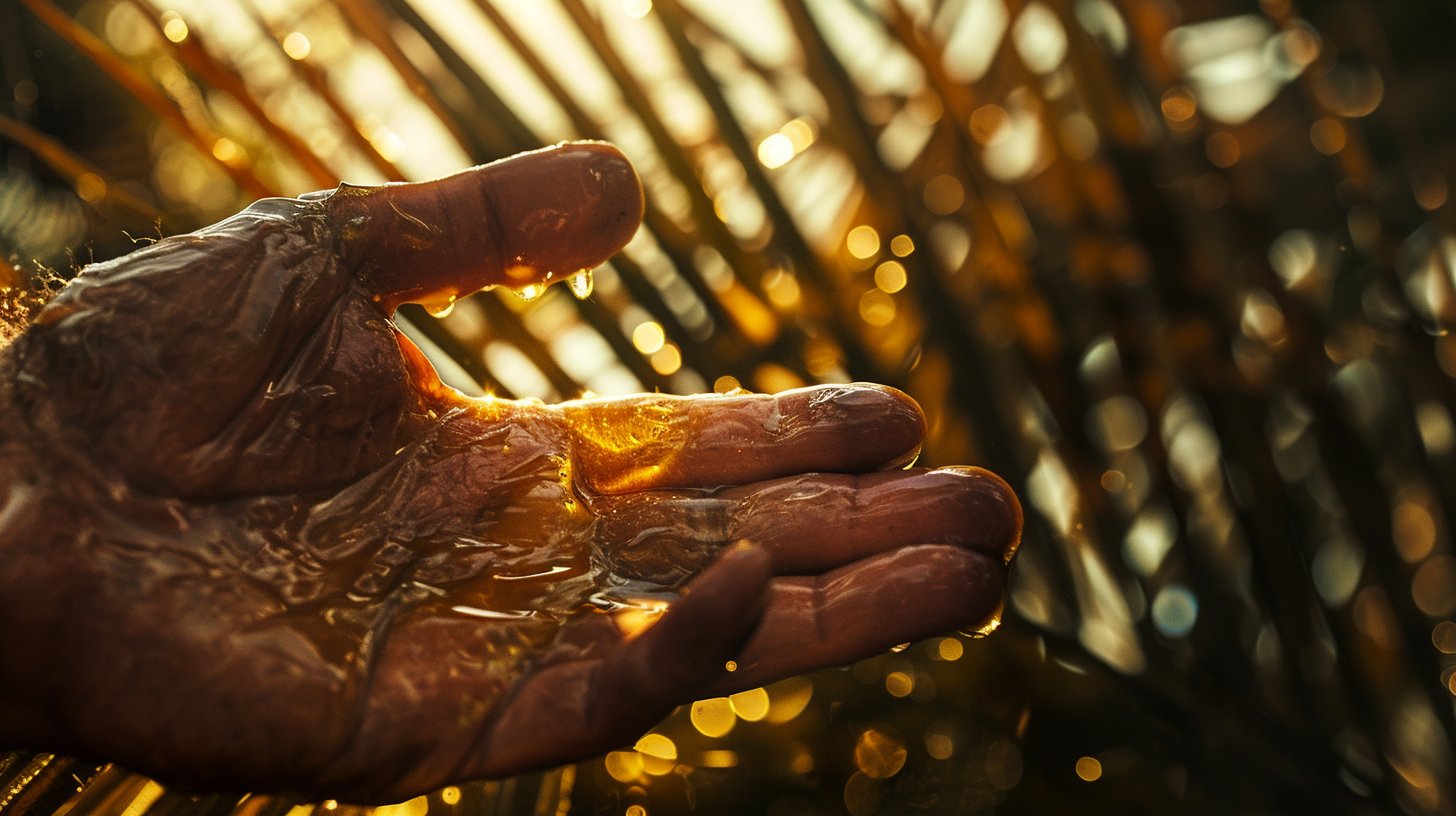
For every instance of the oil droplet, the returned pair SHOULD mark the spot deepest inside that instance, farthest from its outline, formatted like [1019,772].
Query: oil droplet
[530,292]
[992,624]
[440,307]
[581,284]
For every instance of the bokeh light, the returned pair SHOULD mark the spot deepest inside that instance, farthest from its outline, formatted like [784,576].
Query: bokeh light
[863,241]
[713,718]
[1175,610]
[878,754]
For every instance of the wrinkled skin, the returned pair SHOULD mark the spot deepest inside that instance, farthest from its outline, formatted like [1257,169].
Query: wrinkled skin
[248,540]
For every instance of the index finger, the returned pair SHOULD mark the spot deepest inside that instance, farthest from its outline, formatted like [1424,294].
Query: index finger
[523,220]
[658,441]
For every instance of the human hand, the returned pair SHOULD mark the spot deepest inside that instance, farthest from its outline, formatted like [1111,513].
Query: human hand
[248,539]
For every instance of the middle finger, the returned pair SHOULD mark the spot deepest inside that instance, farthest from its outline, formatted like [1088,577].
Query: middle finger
[810,523]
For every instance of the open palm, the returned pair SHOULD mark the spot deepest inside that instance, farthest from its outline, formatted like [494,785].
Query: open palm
[248,539]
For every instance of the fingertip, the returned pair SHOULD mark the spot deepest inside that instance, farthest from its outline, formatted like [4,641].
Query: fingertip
[912,426]
[980,584]
[992,501]
[887,424]
[906,420]
[609,177]
[952,588]
[867,607]
[565,208]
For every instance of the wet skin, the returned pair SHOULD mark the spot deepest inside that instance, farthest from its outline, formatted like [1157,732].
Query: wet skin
[248,539]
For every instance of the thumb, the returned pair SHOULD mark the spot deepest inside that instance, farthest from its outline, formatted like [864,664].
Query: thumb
[525,220]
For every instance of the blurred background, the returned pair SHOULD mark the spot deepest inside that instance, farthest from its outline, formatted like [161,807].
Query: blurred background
[1182,272]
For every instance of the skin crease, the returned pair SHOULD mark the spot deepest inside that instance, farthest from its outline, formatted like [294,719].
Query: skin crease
[248,540]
